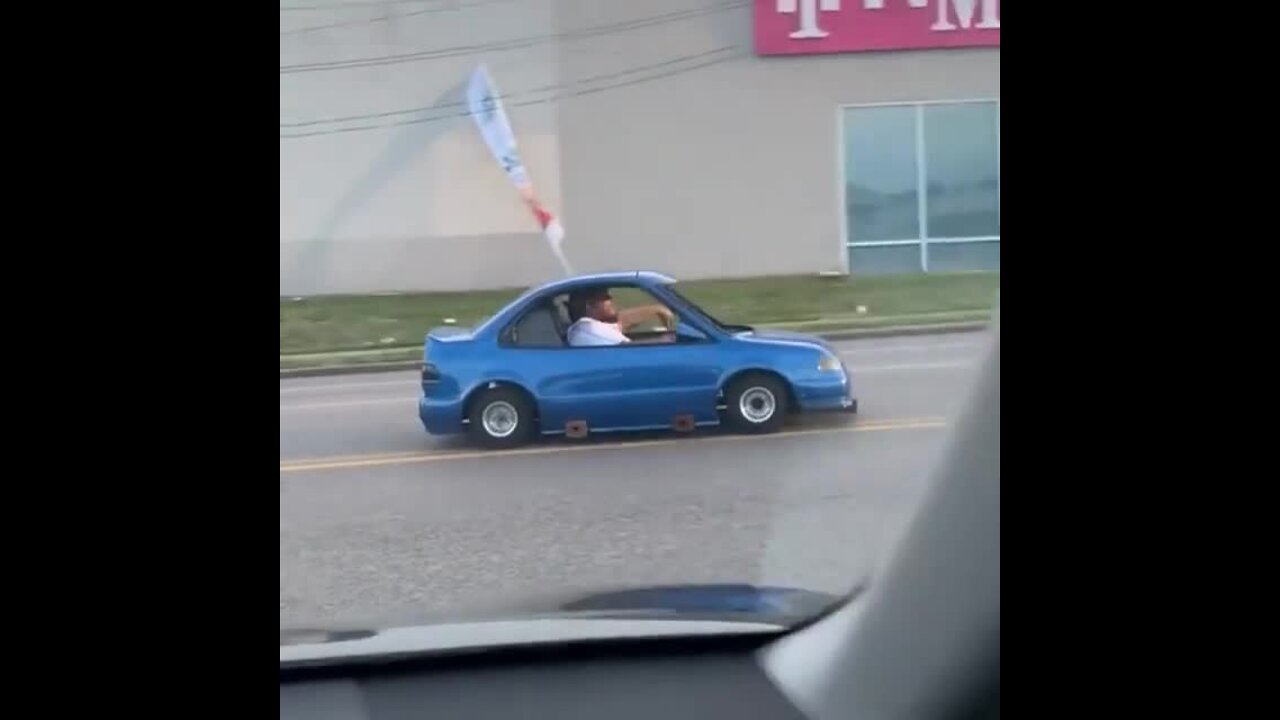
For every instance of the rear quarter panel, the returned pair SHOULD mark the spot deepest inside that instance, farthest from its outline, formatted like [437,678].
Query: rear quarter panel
[465,366]
[452,365]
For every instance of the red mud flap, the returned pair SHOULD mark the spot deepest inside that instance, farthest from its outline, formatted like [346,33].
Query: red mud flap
[575,429]
[683,423]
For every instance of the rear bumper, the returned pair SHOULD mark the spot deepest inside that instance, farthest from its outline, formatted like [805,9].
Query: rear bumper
[440,417]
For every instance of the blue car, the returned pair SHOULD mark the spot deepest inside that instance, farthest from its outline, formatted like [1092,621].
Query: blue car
[515,376]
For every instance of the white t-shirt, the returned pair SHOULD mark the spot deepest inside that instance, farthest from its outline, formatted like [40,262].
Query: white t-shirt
[589,331]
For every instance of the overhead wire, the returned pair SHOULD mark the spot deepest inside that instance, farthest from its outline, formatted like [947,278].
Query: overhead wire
[353,4]
[520,104]
[514,44]
[388,18]
[511,96]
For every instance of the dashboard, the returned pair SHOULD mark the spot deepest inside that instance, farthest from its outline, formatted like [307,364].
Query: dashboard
[669,678]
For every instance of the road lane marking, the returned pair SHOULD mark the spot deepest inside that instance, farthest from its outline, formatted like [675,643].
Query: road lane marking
[352,458]
[902,348]
[378,460]
[856,371]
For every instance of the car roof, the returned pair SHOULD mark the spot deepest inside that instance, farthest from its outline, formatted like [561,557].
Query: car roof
[643,277]
[629,276]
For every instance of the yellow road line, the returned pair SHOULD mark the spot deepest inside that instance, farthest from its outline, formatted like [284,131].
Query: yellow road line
[376,460]
[351,458]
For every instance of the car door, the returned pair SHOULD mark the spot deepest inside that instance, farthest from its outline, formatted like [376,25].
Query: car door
[625,387]
[633,386]
[569,385]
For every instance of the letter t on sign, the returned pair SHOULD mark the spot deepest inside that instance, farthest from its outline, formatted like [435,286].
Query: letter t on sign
[808,15]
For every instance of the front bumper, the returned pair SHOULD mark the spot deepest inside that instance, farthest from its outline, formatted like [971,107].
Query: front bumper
[833,393]
[843,404]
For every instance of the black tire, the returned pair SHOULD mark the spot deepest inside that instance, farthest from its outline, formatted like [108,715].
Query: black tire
[501,402]
[760,392]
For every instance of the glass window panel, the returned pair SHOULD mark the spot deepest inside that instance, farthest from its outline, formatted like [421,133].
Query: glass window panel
[881,197]
[961,170]
[884,260]
[959,257]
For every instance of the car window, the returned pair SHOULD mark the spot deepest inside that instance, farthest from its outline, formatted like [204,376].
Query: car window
[538,328]
[630,297]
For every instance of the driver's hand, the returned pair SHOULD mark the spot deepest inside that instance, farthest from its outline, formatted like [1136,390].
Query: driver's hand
[668,317]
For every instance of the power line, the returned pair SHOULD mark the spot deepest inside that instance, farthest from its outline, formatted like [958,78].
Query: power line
[512,44]
[526,103]
[507,97]
[400,16]
[353,4]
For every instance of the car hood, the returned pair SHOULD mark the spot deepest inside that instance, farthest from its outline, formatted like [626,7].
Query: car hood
[649,612]
[788,337]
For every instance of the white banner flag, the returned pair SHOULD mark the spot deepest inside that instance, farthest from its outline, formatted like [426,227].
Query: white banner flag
[485,106]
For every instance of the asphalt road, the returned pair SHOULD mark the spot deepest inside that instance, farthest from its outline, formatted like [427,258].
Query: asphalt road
[380,522]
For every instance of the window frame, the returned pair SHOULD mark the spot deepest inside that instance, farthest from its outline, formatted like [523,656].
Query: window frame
[922,241]
[538,304]
[504,335]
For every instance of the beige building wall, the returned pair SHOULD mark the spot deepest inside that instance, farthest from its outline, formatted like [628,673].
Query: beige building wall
[651,127]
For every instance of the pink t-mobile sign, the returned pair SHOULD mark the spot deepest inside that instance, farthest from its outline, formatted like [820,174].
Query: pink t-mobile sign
[811,27]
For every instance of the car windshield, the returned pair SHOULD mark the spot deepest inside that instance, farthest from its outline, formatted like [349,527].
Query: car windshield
[442,166]
[697,310]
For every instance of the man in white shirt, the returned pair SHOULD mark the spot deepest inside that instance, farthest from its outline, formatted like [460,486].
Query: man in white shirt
[597,322]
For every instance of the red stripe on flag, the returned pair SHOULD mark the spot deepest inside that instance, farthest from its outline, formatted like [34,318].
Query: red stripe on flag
[544,217]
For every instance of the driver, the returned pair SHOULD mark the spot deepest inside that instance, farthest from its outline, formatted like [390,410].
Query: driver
[597,322]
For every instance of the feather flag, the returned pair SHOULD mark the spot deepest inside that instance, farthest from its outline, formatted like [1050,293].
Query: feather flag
[485,107]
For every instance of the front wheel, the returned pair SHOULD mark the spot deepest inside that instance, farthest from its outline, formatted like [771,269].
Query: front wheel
[501,417]
[756,403]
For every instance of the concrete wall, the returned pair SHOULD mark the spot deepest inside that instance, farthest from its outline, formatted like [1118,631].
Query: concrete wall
[415,205]
[663,142]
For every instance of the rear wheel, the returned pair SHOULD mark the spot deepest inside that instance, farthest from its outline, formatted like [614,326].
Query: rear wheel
[501,417]
[756,403]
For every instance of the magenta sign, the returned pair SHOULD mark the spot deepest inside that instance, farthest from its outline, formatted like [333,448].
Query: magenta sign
[812,27]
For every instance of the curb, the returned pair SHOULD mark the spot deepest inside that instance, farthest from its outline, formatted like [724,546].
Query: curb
[904,331]
[355,369]
[850,334]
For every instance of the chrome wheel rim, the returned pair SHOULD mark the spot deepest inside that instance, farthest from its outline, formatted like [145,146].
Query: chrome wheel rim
[500,419]
[757,404]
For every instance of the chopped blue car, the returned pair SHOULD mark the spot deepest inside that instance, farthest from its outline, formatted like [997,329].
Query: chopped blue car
[515,376]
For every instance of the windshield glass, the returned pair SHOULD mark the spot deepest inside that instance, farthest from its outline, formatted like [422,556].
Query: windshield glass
[438,163]
[697,310]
